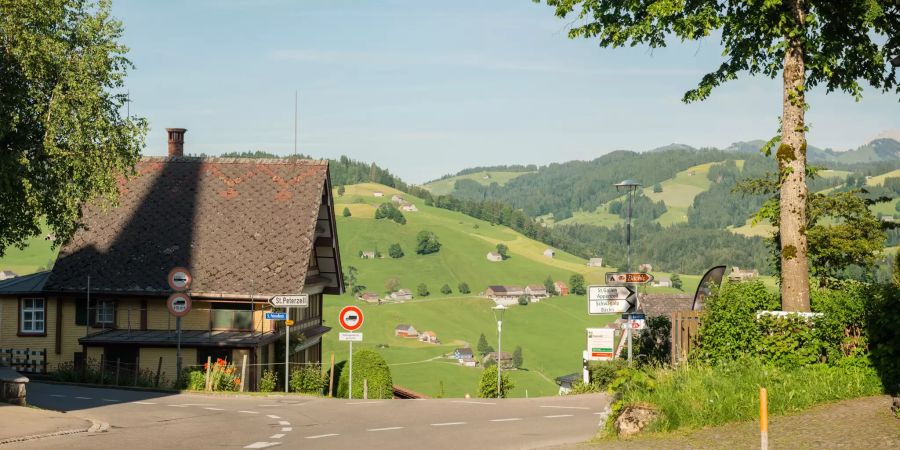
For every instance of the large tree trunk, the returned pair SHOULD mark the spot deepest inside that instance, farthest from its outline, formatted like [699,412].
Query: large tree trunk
[792,168]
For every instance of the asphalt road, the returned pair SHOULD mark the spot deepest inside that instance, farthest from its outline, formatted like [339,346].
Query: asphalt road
[144,420]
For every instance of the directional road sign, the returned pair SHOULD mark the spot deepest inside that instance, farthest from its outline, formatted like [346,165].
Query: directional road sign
[609,299]
[179,304]
[351,318]
[354,337]
[179,279]
[276,316]
[628,278]
[290,301]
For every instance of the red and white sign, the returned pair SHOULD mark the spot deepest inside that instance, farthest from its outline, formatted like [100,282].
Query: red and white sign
[351,318]
[179,304]
[179,279]
[636,324]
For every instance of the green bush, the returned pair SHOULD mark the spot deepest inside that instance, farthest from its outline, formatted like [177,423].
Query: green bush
[194,380]
[728,329]
[308,380]
[603,373]
[268,381]
[367,365]
[487,387]
[654,343]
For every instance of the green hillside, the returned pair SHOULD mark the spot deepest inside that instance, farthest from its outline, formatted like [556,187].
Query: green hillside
[38,254]
[447,185]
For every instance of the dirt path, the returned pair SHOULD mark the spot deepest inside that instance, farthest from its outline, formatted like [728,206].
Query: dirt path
[863,423]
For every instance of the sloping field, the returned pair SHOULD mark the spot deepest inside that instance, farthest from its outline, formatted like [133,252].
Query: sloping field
[446,186]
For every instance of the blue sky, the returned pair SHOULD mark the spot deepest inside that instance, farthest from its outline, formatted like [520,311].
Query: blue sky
[425,88]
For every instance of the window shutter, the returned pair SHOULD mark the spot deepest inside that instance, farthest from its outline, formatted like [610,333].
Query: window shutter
[80,311]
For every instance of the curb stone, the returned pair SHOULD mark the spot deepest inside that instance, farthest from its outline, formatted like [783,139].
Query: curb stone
[96,427]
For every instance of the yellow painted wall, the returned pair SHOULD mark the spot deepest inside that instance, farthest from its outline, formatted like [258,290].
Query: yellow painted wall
[149,360]
[9,328]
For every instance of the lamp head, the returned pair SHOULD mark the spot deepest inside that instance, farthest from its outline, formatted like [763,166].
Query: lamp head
[498,311]
[628,185]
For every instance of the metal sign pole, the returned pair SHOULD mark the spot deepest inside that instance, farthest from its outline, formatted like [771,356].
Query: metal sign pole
[178,350]
[499,349]
[350,377]
[287,352]
[628,265]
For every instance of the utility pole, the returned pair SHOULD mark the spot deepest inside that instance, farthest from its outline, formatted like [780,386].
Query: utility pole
[630,186]
[295,123]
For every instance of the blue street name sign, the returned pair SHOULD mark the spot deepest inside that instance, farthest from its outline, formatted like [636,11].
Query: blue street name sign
[634,316]
[276,316]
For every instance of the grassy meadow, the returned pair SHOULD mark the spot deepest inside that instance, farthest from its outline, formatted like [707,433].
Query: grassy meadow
[446,186]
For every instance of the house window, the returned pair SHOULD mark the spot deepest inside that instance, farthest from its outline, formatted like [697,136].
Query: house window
[232,316]
[33,312]
[106,312]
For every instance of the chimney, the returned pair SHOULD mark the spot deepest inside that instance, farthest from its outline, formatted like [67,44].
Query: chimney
[176,141]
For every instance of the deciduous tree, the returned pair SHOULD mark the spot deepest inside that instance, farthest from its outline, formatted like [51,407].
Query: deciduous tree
[808,43]
[64,139]
[576,284]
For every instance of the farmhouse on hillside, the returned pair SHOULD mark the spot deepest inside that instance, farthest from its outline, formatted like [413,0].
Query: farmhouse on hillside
[662,282]
[367,296]
[409,207]
[504,295]
[595,262]
[738,274]
[396,198]
[505,363]
[494,257]
[246,229]
[402,294]
[550,253]
[536,292]
[561,288]
[378,194]
[368,254]
[404,330]
[645,268]
[429,337]
[463,352]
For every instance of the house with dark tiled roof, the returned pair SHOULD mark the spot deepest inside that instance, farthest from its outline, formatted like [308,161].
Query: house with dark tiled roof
[245,229]
[405,330]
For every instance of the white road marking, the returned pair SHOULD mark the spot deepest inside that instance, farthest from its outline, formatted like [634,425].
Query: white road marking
[473,403]
[214,409]
[273,416]
[277,436]
[262,444]
[447,424]
[558,416]
[385,429]
[286,429]
[284,423]
[363,403]
[511,419]
[143,403]
[56,395]
[267,406]
[109,400]
[178,406]
[599,413]
[248,412]
[84,398]
[322,436]
[197,404]
[566,407]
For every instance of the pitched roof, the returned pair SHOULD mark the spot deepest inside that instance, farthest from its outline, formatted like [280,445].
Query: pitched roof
[665,304]
[402,326]
[241,226]
[537,287]
[26,284]
[464,351]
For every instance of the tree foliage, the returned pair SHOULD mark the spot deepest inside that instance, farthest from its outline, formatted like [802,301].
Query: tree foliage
[389,211]
[368,365]
[676,281]
[576,284]
[346,212]
[445,289]
[63,138]
[463,288]
[395,251]
[422,290]
[517,358]
[427,243]
[488,388]
[483,346]
[503,250]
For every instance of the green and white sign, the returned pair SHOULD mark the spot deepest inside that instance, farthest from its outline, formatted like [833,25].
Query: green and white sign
[601,344]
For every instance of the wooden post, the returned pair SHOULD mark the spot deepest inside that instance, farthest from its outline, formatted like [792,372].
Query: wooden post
[763,419]
[159,368]
[365,388]
[102,366]
[45,360]
[331,376]
[137,369]
[243,372]
[208,366]
[118,367]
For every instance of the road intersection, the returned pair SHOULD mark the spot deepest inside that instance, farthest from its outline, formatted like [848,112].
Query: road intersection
[140,419]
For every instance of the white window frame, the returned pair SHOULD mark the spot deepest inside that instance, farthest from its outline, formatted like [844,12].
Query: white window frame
[33,309]
[104,316]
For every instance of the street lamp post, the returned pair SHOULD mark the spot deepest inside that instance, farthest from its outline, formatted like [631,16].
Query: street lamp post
[630,186]
[498,315]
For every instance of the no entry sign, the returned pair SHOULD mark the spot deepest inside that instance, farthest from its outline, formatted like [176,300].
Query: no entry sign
[351,318]
[179,279]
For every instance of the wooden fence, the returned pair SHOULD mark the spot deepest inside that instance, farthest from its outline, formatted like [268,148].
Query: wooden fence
[685,330]
[27,360]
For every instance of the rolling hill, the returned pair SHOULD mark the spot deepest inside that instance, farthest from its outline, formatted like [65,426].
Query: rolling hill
[484,177]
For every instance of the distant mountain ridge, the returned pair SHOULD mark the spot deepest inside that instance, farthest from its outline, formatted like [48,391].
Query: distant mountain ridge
[884,149]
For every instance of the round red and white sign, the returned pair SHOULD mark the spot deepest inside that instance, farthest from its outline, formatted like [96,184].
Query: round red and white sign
[179,304]
[179,279]
[351,318]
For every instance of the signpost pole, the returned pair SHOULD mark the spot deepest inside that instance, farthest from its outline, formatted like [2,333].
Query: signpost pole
[350,376]
[178,351]
[287,353]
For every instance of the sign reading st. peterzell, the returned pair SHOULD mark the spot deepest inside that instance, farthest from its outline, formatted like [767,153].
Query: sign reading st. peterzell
[609,299]
[290,301]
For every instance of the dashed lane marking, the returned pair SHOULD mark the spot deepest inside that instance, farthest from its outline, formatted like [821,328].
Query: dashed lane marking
[144,403]
[284,423]
[319,436]
[363,403]
[286,429]
[179,406]
[267,406]
[277,436]
[565,407]
[248,412]
[262,444]
[558,416]
[111,400]
[273,416]
[57,395]
[214,409]
[473,403]
[385,429]
[84,398]
[511,419]
[447,424]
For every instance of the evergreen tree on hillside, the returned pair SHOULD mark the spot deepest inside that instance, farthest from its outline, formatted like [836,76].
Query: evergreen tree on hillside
[483,347]
[341,190]
[503,250]
[463,288]
[517,359]
[395,251]
[576,284]
[389,211]
[422,290]
[657,188]
[676,281]
[445,289]
[550,286]
[346,212]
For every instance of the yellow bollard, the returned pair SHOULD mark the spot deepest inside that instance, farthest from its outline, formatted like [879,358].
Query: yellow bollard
[763,419]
